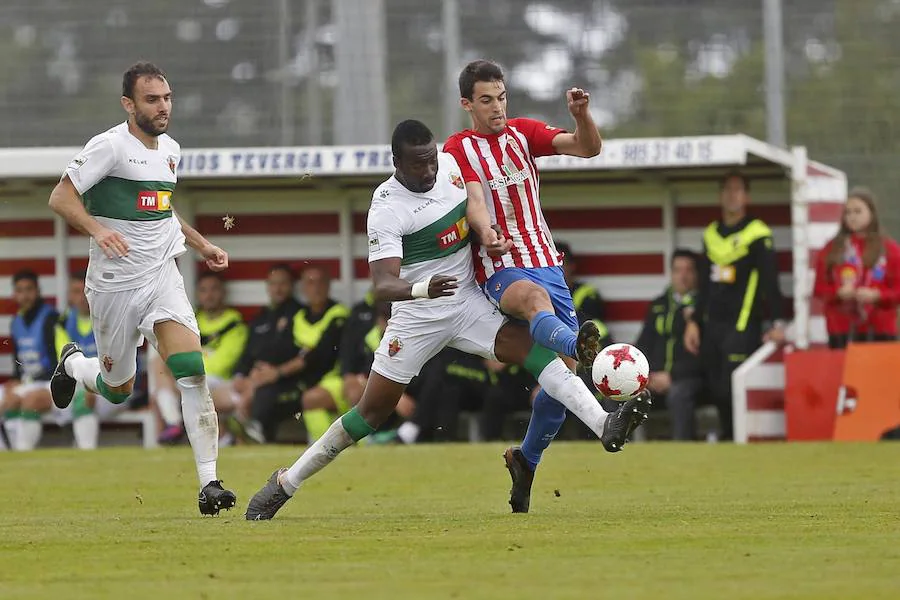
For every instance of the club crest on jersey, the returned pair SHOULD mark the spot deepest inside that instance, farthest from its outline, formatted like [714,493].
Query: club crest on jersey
[171,162]
[454,234]
[154,200]
[107,362]
[456,180]
[394,346]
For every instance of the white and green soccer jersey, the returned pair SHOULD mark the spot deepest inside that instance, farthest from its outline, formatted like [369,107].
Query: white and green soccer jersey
[129,188]
[428,232]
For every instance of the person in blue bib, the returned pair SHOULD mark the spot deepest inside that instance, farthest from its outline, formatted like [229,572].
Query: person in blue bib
[27,395]
[75,326]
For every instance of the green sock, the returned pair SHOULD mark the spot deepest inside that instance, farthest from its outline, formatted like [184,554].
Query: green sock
[79,405]
[317,422]
[30,415]
[114,397]
[355,425]
[537,360]
[11,414]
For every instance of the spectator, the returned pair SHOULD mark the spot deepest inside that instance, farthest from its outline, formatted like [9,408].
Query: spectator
[513,390]
[266,385]
[223,336]
[738,274]
[318,328]
[451,382]
[675,373]
[27,395]
[858,276]
[352,354]
[75,326]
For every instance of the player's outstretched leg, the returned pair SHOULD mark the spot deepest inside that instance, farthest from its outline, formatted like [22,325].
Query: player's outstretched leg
[377,403]
[283,483]
[561,389]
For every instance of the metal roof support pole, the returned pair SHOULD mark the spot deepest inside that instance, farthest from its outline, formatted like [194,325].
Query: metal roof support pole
[61,261]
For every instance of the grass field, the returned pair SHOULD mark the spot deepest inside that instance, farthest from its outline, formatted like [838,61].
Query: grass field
[656,521]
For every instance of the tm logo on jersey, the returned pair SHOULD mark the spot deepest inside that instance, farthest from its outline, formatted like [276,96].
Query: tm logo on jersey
[161,200]
[511,178]
[454,234]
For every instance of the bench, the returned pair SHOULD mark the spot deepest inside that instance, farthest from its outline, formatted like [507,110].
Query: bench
[145,418]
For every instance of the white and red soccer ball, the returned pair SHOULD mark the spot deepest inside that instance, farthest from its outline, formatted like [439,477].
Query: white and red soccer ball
[620,372]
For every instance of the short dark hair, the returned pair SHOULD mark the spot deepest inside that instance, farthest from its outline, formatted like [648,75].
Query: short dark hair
[475,71]
[315,267]
[80,275]
[283,267]
[25,275]
[135,72]
[411,133]
[210,275]
[731,174]
[685,253]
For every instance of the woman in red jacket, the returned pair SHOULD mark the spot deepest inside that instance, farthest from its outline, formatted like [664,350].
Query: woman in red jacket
[858,276]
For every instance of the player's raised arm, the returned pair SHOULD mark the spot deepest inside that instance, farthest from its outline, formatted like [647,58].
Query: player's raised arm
[585,141]
[388,287]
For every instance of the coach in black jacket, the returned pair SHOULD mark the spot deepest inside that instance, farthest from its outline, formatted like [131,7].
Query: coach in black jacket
[674,372]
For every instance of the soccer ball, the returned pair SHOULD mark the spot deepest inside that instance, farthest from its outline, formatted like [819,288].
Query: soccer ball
[620,372]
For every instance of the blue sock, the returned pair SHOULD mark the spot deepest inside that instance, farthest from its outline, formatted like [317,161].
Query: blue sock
[548,331]
[547,417]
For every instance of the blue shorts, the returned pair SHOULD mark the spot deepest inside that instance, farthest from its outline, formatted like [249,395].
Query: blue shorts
[549,278]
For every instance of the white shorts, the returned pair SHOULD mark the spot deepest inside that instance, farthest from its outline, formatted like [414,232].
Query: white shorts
[122,320]
[413,336]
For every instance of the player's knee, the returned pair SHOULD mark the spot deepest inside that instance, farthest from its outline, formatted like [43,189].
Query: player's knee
[125,388]
[538,300]
[317,397]
[37,401]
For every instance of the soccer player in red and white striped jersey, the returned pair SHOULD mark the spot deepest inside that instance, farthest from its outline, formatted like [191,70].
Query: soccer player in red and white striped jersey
[497,159]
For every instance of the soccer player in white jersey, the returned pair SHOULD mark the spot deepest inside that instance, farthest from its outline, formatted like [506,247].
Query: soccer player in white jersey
[420,259]
[119,190]
[496,156]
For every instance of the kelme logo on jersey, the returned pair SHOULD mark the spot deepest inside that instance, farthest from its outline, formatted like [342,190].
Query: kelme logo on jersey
[154,200]
[454,234]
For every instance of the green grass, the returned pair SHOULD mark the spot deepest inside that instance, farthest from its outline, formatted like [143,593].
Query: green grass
[656,521]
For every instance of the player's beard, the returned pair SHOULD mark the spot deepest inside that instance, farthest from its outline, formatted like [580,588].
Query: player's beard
[148,125]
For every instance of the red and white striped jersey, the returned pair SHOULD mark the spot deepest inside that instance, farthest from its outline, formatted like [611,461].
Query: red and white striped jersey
[504,165]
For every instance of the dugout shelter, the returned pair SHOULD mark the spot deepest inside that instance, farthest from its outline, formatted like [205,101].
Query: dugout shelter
[623,212]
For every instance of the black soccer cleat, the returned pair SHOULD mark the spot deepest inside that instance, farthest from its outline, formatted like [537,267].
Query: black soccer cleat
[213,498]
[522,478]
[588,345]
[62,386]
[267,501]
[622,423]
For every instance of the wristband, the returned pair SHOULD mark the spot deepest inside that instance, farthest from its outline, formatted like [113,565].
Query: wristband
[420,289]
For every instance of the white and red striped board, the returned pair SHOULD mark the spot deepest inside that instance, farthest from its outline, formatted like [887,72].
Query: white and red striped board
[616,232]
[622,212]
[759,385]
